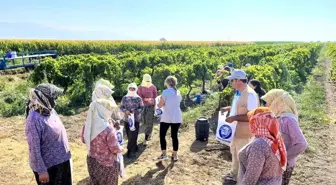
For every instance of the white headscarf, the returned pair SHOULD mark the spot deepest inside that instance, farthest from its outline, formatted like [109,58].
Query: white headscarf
[146,81]
[99,113]
[132,93]
[103,89]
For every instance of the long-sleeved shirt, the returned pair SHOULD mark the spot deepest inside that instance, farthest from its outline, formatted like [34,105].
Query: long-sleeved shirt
[134,105]
[148,95]
[105,147]
[259,165]
[293,137]
[47,141]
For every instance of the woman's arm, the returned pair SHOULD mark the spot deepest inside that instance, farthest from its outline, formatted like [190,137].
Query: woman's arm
[33,134]
[123,106]
[155,93]
[299,143]
[139,92]
[83,140]
[162,102]
[140,106]
[116,115]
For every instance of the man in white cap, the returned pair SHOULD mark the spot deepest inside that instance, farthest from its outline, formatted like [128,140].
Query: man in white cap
[245,99]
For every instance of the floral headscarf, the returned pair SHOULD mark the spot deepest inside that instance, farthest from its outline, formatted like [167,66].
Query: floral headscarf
[43,98]
[281,102]
[264,124]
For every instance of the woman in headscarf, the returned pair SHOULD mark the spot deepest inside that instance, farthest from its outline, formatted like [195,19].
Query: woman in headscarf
[148,92]
[264,159]
[171,117]
[256,85]
[115,117]
[100,137]
[132,104]
[284,107]
[49,151]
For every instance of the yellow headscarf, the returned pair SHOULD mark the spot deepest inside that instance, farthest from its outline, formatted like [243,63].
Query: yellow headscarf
[146,81]
[280,102]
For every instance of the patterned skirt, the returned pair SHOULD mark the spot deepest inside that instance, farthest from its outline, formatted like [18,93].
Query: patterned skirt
[102,175]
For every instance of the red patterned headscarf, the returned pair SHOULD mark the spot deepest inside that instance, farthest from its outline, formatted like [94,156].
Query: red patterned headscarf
[264,124]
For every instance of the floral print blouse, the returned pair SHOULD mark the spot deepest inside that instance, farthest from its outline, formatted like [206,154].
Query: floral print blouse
[133,104]
[105,147]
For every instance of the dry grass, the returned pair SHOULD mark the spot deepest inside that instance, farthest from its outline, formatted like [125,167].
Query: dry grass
[195,159]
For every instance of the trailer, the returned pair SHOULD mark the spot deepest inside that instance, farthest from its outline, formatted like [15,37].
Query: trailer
[27,60]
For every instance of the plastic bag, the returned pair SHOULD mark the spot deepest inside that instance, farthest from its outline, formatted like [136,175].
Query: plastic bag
[120,136]
[131,122]
[120,160]
[225,131]
[158,111]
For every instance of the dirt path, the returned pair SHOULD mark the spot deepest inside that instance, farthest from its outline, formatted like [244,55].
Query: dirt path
[331,153]
[200,163]
[319,166]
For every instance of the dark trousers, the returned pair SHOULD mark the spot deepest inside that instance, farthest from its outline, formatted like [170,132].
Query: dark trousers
[174,135]
[58,175]
[148,120]
[132,136]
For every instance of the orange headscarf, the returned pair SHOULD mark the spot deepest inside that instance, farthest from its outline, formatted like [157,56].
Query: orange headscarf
[264,124]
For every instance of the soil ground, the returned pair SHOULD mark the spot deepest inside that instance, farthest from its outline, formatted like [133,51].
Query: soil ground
[201,163]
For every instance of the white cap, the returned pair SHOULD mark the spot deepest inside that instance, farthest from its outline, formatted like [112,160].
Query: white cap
[237,74]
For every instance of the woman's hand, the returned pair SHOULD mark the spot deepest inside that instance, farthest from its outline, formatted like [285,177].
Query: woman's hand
[128,113]
[116,125]
[149,100]
[44,177]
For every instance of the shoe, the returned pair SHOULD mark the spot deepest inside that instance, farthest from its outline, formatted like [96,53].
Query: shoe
[130,155]
[162,157]
[145,143]
[229,180]
[174,158]
[148,137]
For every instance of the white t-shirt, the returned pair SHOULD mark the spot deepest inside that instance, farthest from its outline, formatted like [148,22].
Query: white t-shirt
[252,103]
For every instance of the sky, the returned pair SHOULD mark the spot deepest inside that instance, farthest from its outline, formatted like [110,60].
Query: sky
[201,20]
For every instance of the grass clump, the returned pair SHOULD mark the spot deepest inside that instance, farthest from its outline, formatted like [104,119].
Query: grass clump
[207,109]
[312,107]
[13,95]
